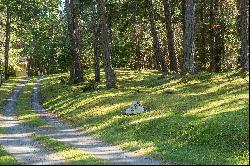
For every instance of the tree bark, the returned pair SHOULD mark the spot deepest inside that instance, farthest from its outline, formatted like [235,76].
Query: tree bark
[7,44]
[96,42]
[160,63]
[202,57]
[109,72]
[170,36]
[215,53]
[189,36]
[136,37]
[243,6]
[1,44]
[76,74]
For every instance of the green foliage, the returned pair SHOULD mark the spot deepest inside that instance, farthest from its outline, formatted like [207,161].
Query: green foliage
[89,86]
[203,120]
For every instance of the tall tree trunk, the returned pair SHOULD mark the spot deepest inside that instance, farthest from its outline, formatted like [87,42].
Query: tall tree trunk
[215,36]
[136,37]
[183,11]
[161,65]
[243,6]
[170,36]
[76,74]
[189,36]
[202,57]
[1,44]
[7,44]
[110,75]
[96,43]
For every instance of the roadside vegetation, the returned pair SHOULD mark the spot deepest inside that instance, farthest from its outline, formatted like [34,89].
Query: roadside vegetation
[196,119]
[5,90]
[5,157]
[28,116]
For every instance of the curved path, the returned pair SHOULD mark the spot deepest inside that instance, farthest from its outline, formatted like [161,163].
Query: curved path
[86,143]
[17,139]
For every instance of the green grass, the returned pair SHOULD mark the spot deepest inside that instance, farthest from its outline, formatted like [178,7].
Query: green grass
[69,153]
[6,159]
[24,110]
[5,90]
[197,119]
[28,116]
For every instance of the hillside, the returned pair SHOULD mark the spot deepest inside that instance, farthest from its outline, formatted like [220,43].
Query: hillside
[198,119]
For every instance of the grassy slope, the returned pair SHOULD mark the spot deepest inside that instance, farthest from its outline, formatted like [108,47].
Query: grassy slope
[5,90]
[202,119]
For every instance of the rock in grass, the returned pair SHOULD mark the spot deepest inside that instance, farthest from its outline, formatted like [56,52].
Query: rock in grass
[135,108]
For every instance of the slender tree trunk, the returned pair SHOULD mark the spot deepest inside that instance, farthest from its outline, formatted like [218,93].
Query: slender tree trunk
[28,67]
[189,36]
[183,11]
[110,75]
[96,42]
[161,65]
[202,42]
[243,6]
[1,44]
[215,58]
[170,36]
[136,37]
[76,74]
[7,44]
[72,65]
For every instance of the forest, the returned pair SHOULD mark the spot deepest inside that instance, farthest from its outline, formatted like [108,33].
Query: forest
[186,61]
[170,36]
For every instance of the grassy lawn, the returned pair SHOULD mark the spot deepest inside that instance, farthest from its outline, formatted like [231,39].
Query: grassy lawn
[5,90]
[69,153]
[199,119]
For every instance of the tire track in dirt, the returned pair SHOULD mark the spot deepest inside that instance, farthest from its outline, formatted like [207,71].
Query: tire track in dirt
[16,139]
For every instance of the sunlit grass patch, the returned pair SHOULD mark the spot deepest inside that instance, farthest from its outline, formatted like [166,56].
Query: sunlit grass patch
[69,153]
[196,119]
[6,159]
[24,109]
[6,88]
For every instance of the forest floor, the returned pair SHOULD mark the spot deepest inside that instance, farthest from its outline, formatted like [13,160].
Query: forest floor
[197,119]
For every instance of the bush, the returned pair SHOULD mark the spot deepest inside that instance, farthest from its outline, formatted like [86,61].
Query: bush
[90,86]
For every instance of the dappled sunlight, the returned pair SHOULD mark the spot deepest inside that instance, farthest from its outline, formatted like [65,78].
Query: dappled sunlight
[148,147]
[145,119]
[180,114]
[214,107]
